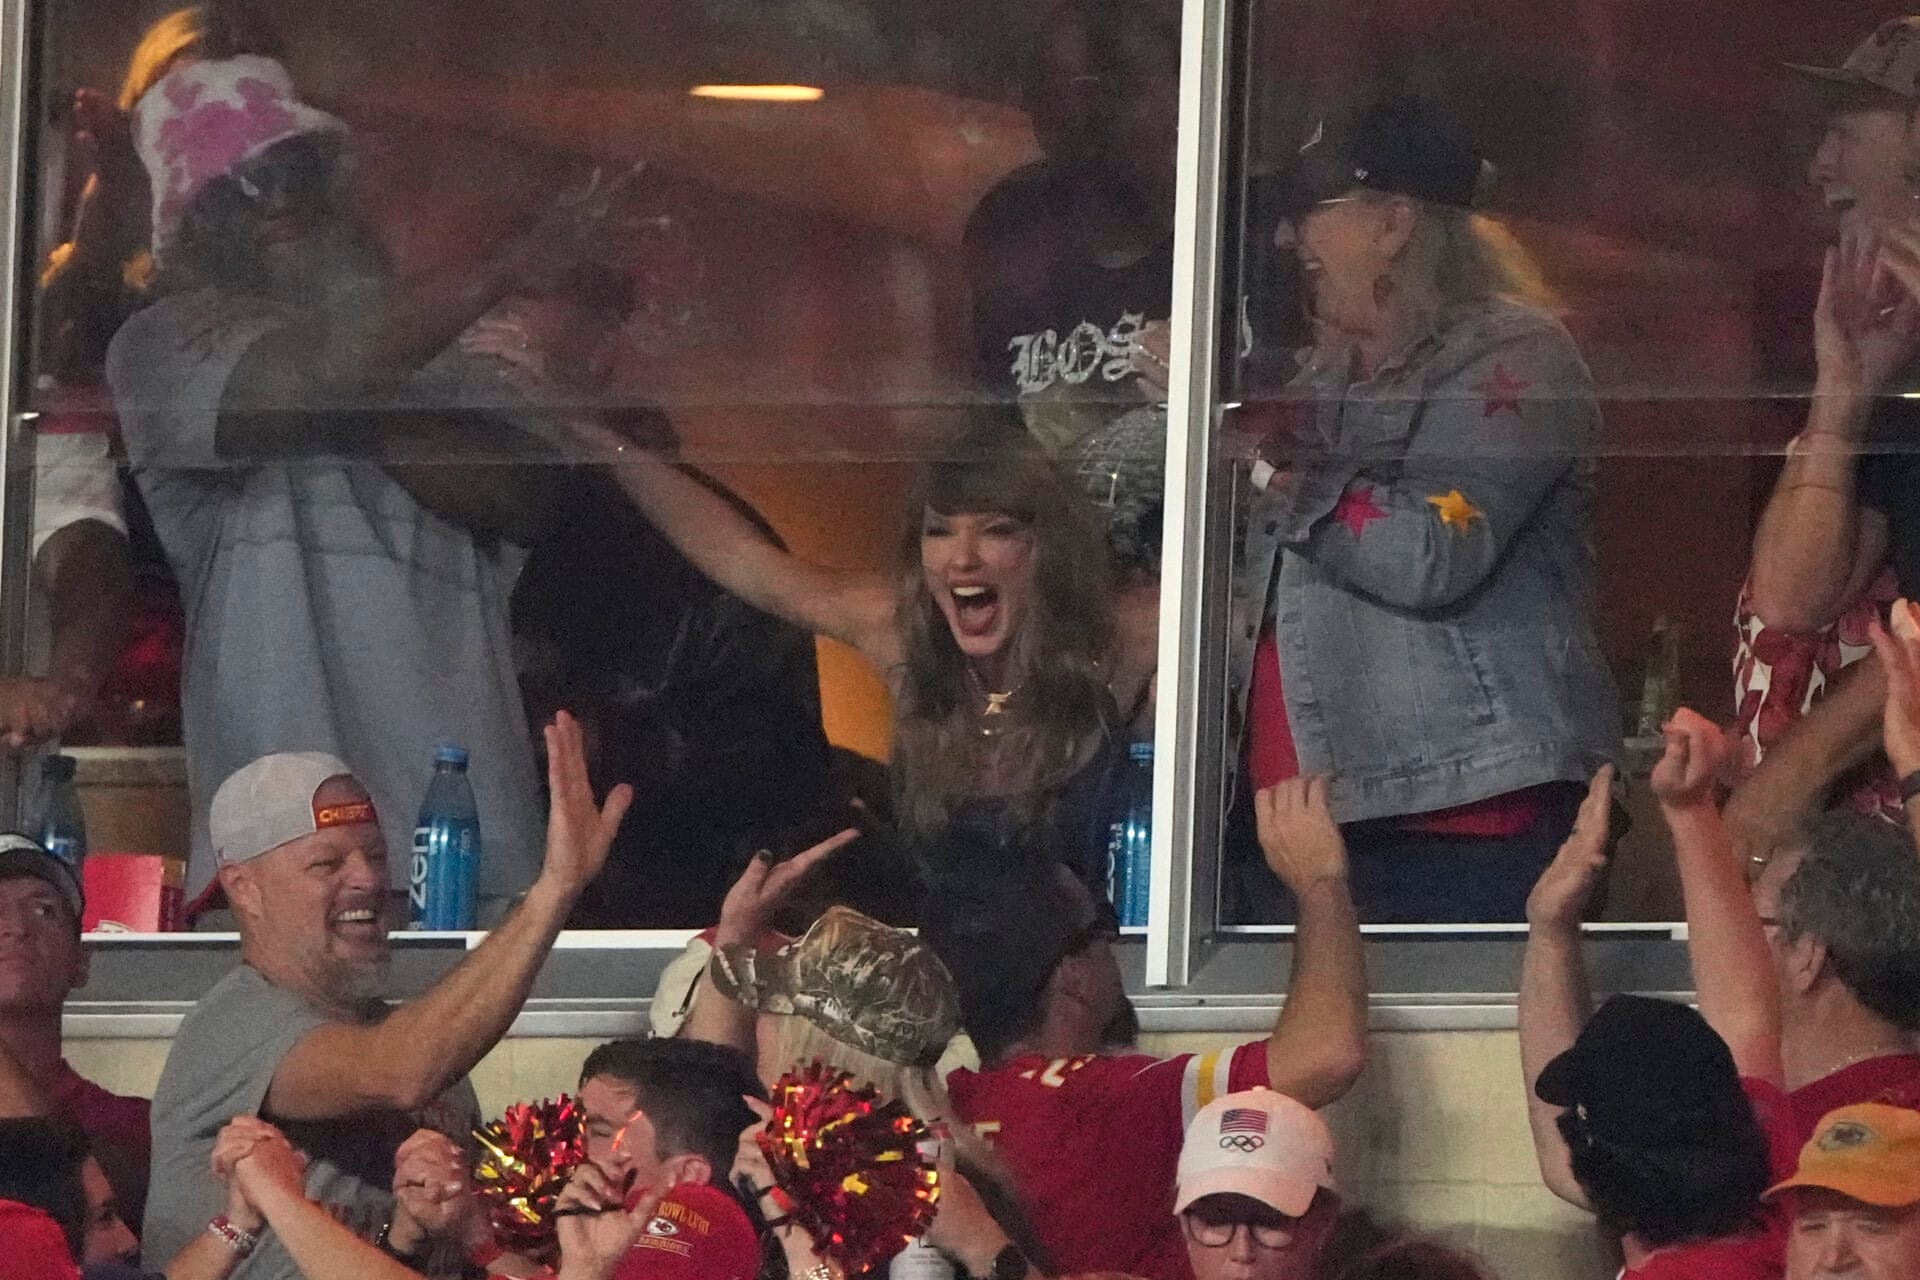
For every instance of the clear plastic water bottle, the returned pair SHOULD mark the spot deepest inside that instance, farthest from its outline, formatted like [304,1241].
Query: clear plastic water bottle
[60,827]
[443,876]
[920,1261]
[1130,842]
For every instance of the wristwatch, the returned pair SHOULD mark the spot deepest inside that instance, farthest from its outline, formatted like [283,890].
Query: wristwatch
[1008,1264]
[384,1243]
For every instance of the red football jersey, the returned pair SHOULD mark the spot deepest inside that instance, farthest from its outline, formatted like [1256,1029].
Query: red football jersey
[1093,1145]
[1894,1080]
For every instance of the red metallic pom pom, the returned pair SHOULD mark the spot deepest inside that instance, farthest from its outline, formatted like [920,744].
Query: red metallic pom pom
[525,1158]
[852,1164]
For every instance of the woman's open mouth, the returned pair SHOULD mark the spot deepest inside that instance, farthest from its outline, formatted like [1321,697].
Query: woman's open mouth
[976,607]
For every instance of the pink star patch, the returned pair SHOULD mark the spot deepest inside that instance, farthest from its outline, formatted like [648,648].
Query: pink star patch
[1356,509]
[1502,389]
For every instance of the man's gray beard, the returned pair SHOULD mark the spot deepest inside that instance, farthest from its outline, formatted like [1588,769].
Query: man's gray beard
[351,982]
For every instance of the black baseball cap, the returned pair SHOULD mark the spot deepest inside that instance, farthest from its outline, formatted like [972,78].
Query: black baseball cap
[1643,1070]
[21,856]
[1402,144]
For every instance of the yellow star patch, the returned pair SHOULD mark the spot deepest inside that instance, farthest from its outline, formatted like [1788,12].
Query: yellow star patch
[1455,510]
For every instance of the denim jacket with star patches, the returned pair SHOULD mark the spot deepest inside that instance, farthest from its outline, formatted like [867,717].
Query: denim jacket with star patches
[1427,559]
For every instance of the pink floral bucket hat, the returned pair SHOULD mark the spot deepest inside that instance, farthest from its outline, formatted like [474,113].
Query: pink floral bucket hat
[204,120]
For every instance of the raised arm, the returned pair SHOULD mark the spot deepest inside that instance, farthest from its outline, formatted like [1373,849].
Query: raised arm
[1815,542]
[83,574]
[424,1046]
[1319,1044]
[1842,730]
[745,915]
[1555,1002]
[854,608]
[1897,651]
[1732,970]
[327,360]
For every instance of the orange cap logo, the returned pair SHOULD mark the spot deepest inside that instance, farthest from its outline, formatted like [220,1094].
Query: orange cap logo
[343,815]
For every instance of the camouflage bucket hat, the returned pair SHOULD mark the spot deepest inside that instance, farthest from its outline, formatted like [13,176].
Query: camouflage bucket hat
[868,985]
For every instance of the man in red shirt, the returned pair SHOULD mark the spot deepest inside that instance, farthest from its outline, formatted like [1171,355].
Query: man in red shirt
[1841,913]
[1091,1131]
[1842,918]
[669,1113]
[42,961]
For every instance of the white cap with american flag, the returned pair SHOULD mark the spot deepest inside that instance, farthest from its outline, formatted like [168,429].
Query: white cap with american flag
[1259,1144]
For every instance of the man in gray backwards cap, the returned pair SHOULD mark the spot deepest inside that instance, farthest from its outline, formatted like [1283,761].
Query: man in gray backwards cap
[298,1034]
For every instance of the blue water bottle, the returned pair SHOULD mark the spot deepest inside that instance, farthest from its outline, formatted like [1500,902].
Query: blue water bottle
[443,877]
[61,829]
[1130,842]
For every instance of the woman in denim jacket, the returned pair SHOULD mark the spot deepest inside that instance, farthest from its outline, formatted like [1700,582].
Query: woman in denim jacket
[1414,610]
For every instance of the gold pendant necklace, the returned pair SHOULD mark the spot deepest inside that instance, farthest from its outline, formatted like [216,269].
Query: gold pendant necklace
[996,702]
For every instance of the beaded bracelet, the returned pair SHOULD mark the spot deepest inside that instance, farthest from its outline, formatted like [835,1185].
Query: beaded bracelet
[242,1242]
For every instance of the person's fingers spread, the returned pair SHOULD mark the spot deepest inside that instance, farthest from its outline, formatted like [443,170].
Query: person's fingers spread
[614,812]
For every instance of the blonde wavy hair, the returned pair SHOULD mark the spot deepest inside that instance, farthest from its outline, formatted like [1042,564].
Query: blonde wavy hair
[1456,258]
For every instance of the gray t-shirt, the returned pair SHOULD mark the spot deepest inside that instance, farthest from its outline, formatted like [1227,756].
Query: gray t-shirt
[326,609]
[222,1062]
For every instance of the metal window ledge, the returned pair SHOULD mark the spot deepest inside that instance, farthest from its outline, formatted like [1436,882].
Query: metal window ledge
[600,984]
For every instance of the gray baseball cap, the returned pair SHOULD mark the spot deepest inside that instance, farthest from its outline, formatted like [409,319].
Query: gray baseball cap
[269,802]
[20,856]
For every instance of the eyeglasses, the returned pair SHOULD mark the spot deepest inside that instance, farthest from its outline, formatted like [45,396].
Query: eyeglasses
[1209,1234]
